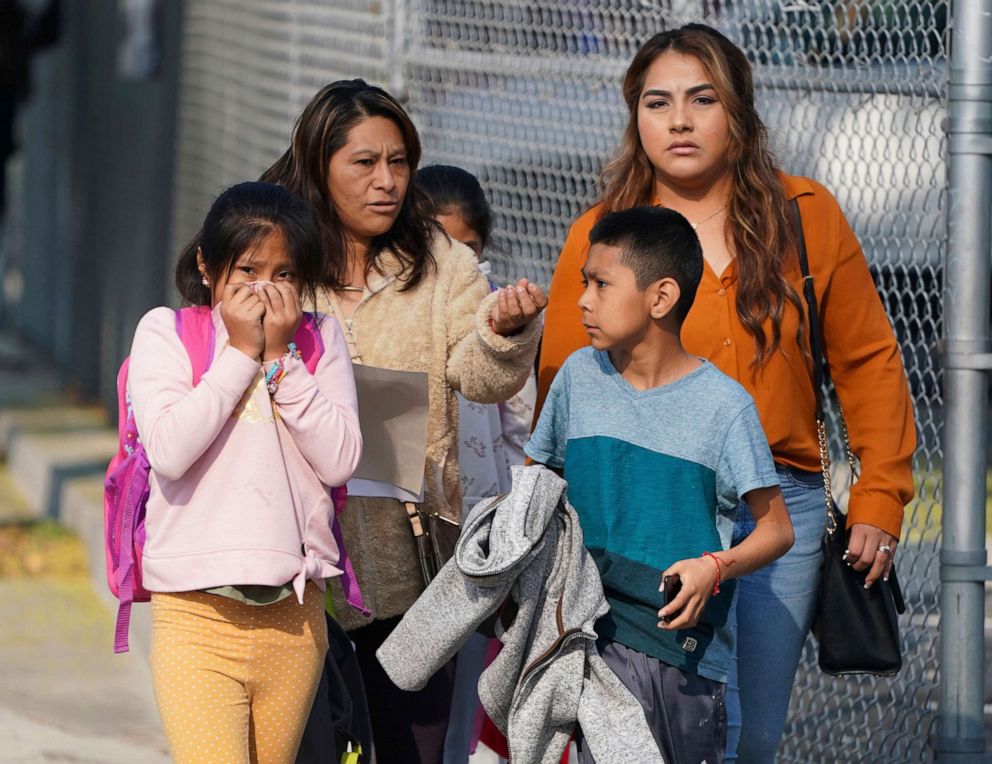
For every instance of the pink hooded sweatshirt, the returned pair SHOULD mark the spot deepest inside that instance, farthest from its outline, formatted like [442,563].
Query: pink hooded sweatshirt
[240,480]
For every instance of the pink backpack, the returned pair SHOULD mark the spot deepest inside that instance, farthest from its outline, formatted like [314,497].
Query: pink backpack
[125,490]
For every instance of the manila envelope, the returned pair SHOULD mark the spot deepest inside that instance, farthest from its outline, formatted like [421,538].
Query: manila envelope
[392,410]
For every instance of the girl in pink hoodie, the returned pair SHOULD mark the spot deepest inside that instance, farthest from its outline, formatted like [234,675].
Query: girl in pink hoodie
[239,516]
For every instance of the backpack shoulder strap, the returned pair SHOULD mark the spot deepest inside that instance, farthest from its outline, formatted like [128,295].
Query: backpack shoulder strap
[309,341]
[195,327]
[122,401]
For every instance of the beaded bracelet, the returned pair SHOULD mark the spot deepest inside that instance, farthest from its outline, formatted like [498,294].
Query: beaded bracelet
[278,369]
[719,570]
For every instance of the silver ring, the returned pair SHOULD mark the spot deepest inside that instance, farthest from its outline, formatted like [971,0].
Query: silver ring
[885,548]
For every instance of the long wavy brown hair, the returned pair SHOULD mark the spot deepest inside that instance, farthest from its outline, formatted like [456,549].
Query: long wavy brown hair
[757,225]
[321,130]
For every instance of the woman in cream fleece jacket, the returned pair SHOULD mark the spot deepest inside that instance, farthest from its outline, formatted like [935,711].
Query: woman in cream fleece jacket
[410,299]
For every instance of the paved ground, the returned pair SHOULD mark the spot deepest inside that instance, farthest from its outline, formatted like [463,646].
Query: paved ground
[64,695]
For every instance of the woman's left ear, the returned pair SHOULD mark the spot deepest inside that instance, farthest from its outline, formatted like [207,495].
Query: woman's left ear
[666,294]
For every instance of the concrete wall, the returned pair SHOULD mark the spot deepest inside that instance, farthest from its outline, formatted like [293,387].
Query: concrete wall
[98,160]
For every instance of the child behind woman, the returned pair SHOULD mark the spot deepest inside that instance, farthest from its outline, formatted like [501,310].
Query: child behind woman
[239,515]
[491,437]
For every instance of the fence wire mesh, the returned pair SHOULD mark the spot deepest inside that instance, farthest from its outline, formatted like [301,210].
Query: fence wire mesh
[525,93]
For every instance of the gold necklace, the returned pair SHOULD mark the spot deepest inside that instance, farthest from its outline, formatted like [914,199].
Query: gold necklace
[350,288]
[708,217]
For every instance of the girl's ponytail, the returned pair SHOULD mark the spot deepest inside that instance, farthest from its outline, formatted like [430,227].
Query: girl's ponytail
[189,280]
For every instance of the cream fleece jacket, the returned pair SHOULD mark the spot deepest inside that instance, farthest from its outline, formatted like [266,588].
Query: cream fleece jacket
[239,481]
[441,327]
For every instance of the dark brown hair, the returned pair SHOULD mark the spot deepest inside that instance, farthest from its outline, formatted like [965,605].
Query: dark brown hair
[454,189]
[321,130]
[238,221]
[757,226]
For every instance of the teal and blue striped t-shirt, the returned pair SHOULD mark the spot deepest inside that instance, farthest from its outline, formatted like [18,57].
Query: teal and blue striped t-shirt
[655,476]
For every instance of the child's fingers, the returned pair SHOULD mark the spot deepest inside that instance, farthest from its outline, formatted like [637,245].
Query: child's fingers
[248,300]
[234,293]
[671,608]
[672,570]
[266,300]
[676,605]
[687,618]
[290,296]
[688,611]
[255,311]
[274,297]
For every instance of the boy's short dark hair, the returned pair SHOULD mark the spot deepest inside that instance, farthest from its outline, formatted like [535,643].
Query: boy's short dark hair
[655,243]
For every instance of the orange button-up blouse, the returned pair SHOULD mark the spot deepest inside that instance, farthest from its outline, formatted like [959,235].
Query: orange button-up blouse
[863,354]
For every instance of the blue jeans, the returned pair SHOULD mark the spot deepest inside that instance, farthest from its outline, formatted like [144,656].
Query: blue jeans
[774,612]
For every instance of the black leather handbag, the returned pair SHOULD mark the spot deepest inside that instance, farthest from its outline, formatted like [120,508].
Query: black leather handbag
[435,536]
[857,629]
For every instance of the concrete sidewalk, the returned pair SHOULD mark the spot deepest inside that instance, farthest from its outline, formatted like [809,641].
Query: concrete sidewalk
[64,695]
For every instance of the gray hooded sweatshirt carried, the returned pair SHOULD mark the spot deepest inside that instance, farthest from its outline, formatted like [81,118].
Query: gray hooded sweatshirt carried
[548,676]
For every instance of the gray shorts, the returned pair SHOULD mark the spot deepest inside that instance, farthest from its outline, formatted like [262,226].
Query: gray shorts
[687,713]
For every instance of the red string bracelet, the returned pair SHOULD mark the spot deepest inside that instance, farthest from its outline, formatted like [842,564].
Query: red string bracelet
[719,570]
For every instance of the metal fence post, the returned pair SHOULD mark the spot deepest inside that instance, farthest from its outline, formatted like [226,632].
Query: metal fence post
[967,359]
[396,62]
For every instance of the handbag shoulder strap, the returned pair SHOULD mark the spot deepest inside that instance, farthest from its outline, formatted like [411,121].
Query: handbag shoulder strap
[821,373]
[821,369]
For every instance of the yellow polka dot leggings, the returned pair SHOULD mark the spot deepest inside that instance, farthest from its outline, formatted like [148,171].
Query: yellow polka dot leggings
[234,682]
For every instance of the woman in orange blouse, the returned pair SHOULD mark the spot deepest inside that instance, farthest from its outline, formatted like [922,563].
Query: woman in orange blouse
[695,143]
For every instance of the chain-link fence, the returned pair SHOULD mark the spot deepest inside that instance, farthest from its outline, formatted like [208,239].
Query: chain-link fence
[525,93]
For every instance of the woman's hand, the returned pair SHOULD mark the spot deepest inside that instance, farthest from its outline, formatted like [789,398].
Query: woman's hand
[699,576]
[282,318]
[517,306]
[872,549]
[241,311]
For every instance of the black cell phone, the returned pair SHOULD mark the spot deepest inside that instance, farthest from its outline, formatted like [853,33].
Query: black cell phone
[670,587]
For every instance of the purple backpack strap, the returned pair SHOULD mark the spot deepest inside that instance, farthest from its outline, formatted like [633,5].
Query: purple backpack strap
[195,327]
[349,581]
[132,501]
[310,343]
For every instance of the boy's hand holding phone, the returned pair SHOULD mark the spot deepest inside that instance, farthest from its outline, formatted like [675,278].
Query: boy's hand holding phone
[698,577]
